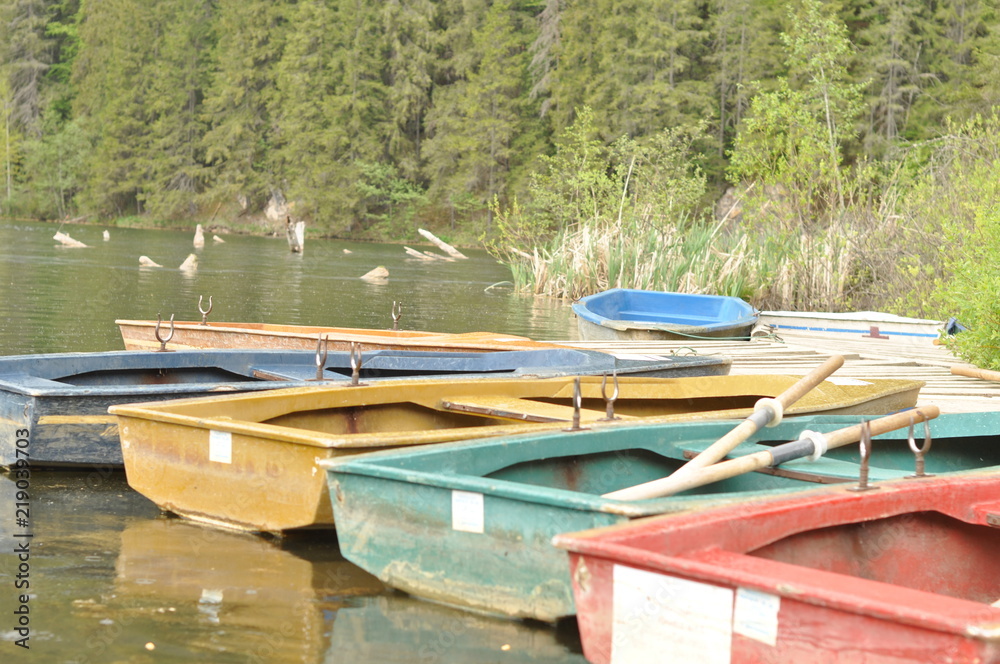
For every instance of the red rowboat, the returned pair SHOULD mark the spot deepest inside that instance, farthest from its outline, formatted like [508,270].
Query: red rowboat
[907,572]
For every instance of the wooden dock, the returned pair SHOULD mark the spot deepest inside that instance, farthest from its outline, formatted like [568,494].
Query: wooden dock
[931,364]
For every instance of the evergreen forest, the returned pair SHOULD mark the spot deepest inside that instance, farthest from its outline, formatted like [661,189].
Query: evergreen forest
[801,154]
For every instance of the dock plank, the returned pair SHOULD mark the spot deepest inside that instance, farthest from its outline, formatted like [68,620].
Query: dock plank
[767,355]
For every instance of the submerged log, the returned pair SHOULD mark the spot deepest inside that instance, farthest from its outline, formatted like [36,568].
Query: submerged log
[217,239]
[146,261]
[426,255]
[190,263]
[444,246]
[199,237]
[107,236]
[377,275]
[66,240]
[296,232]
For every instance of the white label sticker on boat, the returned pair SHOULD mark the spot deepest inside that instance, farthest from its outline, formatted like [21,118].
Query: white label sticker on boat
[467,511]
[847,381]
[659,618]
[756,615]
[220,446]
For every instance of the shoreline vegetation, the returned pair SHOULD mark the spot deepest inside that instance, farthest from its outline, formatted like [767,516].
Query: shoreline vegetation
[852,163]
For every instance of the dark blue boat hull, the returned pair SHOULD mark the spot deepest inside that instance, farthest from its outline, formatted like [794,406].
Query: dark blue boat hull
[59,402]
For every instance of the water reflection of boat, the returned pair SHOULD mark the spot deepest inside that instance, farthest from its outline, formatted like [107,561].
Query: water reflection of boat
[232,592]
[395,628]
[212,458]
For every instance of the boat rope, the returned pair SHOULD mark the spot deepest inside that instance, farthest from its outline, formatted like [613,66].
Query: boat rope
[677,351]
[699,337]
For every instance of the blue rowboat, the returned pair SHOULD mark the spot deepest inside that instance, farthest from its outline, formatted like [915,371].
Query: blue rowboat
[62,399]
[470,524]
[638,315]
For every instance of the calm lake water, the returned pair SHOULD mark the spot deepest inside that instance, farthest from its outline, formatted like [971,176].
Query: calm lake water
[113,580]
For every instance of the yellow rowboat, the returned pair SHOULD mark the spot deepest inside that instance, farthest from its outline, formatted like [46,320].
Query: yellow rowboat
[144,335]
[250,461]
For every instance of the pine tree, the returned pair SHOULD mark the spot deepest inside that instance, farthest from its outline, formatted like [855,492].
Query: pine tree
[27,55]
[961,29]
[745,50]
[241,98]
[112,80]
[635,68]
[892,42]
[178,78]
[475,121]
[408,31]
[11,141]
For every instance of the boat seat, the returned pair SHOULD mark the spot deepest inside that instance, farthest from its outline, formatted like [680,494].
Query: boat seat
[685,319]
[522,410]
[287,372]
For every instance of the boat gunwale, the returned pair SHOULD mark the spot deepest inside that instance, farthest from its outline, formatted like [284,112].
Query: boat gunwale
[379,465]
[290,397]
[463,340]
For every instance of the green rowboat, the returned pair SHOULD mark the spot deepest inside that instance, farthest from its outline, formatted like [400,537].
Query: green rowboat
[470,524]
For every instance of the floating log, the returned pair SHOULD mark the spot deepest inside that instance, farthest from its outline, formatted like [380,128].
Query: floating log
[378,274]
[348,251]
[444,246]
[190,263]
[199,237]
[416,254]
[426,255]
[66,240]
[217,239]
[146,261]
[296,232]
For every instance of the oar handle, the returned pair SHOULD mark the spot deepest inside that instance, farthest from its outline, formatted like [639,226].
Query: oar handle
[975,372]
[852,434]
[810,380]
[745,464]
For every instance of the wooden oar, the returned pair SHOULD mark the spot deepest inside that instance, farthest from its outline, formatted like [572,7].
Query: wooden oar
[975,372]
[798,449]
[766,411]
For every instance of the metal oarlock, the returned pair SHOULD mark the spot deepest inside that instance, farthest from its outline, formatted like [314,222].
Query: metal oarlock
[609,401]
[397,313]
[322,350]
[156,332]
[577,406]
[355,365]
[920,452]
[205,312]
[866,452]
